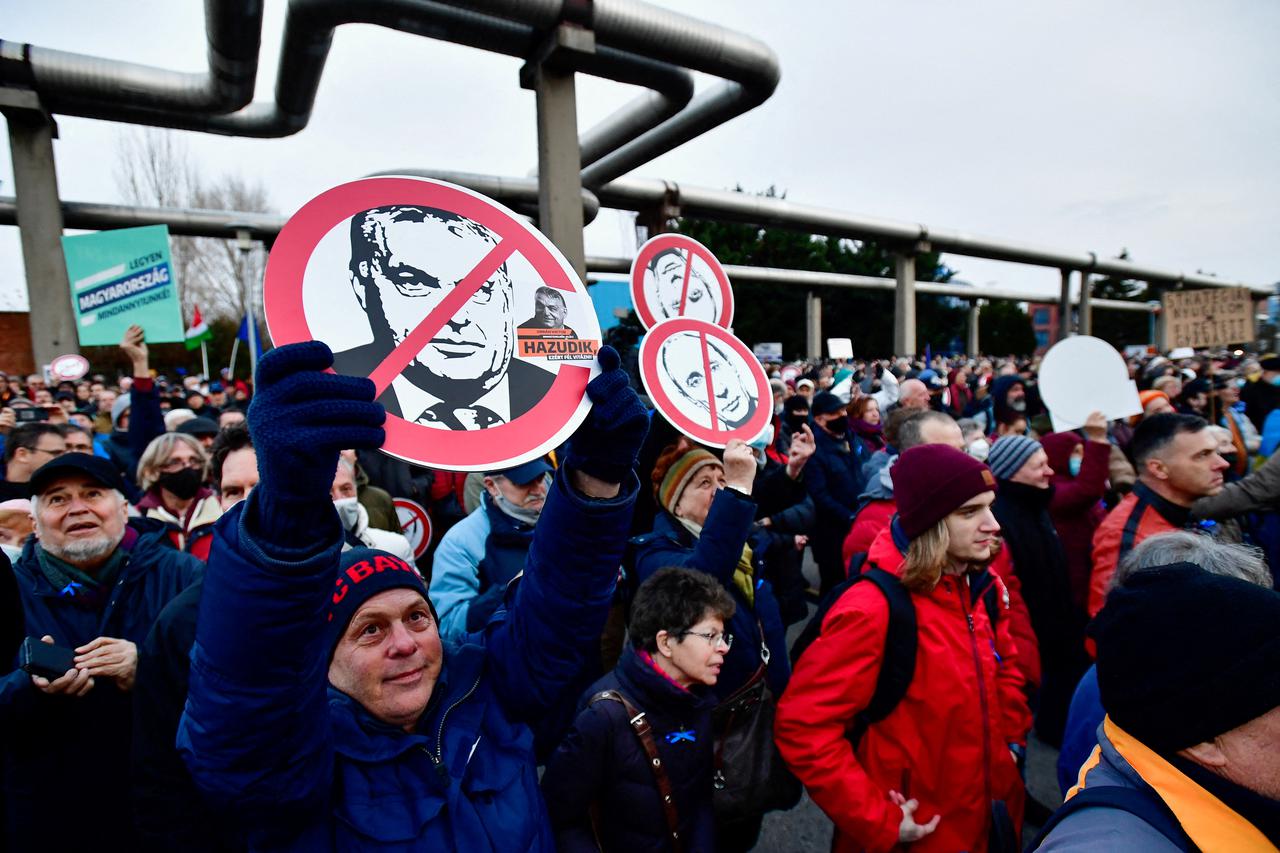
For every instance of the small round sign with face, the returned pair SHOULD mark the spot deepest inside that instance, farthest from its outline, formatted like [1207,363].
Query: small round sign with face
[705,381]
[676,276]
[415,523]
[475,330]
[69,368]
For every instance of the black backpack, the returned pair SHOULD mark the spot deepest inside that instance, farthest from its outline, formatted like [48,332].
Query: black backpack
[899,665]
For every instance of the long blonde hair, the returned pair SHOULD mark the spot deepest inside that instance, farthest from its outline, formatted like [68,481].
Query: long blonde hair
[926,558]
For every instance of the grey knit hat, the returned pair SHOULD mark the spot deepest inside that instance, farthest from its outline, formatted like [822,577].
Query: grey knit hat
[1010,453]
[118,408]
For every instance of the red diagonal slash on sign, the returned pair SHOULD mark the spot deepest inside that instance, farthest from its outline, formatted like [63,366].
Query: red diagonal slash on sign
[684,289]
[413,343]
[706,372]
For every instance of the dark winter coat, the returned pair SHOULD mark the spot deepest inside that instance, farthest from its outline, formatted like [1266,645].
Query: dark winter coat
[1076,507]
[301,766]
[167,808]
[601,761]
[716,552]
[69,745]
[1041,564]
[834,478]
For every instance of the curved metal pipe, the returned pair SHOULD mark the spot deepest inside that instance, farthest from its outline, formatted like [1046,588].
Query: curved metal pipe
[76,84]
[519,193]
[308,35]
[749,66]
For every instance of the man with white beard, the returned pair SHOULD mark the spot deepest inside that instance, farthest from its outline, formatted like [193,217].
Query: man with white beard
[93,582]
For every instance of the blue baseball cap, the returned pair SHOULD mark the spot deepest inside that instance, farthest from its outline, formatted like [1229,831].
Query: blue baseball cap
[526,473]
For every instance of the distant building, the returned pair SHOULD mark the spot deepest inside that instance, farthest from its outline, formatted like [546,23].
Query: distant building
[1044,322]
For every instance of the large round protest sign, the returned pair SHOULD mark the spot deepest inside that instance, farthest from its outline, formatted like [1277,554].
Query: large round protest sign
[68,368]
[1082,375]
[415,523]
[475,330]
[676,276]
[705,381]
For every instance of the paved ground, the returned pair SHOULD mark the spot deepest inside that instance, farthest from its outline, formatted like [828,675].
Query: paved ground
[806,828]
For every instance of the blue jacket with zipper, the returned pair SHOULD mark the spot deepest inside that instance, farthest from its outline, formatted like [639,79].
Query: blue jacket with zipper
[300,766]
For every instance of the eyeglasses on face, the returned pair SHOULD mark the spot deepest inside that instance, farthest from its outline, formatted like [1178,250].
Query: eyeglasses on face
[715,638]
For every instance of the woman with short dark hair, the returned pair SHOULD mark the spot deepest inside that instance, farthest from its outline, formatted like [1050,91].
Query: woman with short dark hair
[604,790]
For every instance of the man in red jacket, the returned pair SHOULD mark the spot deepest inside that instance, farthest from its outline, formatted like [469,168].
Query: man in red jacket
[1177,462]
[929,772]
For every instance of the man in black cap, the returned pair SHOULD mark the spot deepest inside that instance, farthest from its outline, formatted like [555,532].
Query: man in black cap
[94,581]
[480,555]
[1189,674]
[205,430]
[834,480]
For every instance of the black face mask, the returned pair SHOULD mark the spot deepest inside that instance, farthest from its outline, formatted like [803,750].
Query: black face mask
[838,426]
[1231,458]
[183,484]
[795,421]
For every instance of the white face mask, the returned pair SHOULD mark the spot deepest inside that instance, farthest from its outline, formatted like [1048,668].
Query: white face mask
[13,552]
[348,512]
[978,449]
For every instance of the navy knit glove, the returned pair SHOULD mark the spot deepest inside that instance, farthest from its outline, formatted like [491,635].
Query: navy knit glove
[300,418]
[606,444]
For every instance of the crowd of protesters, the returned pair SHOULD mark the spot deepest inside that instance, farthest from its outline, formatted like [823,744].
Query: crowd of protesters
[257,657]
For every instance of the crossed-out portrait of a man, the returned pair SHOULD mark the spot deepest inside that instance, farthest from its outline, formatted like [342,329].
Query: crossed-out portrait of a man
[404,261]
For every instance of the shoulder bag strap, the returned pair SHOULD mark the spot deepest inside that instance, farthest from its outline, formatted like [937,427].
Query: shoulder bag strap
[644,733]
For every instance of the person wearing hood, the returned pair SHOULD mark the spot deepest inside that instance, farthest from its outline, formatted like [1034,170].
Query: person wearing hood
[795,415]
[601,785]
[834,478]
[1008,400]
[481,554]
[1021,468]
[171,474]
[1079,483]
[355,518]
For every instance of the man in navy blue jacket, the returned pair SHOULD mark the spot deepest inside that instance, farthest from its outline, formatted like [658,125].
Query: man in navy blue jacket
[834,479]
[93,582]
[324,713]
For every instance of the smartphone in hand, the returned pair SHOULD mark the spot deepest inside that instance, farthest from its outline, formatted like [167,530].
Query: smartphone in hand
[44,660]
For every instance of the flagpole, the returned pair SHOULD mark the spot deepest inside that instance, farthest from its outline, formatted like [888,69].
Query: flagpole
[231,368]
[204,359]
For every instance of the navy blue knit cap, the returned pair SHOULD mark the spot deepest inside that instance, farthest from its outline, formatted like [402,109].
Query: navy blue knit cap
[1010,453]
[362,574]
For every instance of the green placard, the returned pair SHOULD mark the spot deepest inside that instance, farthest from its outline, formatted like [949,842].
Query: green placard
[123,277]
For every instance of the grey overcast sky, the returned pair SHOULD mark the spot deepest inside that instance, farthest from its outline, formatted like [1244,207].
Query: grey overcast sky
[1090,125]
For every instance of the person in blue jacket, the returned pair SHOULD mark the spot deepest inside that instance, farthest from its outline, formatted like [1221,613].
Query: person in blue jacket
[600,785]
[324,713]
[94,582]
[707,525]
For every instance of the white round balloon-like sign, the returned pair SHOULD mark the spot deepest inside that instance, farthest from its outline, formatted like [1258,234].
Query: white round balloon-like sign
[476,331]
[1082,375]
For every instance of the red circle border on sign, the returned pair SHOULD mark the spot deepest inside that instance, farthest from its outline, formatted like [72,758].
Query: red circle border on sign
[653,246]
[649,348]
[532,434]
[424,519]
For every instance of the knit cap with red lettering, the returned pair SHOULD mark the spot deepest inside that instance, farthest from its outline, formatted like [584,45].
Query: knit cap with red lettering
[931,481]
[362,574]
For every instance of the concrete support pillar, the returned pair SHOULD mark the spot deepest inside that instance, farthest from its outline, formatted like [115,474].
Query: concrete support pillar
[904,307]
[39,215]
[550,74]
[1064,307]
[813,325]
[975,309]
[1084,322]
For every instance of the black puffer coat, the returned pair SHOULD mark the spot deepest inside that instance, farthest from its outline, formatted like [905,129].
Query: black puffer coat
[601,761]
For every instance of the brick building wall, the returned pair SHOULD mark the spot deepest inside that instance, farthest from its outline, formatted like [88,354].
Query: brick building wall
[15,343]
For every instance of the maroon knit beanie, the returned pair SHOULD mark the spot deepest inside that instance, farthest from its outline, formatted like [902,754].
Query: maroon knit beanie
[930,481]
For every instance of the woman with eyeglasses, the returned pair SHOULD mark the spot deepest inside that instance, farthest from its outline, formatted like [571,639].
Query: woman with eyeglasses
[171,474]
[603,788]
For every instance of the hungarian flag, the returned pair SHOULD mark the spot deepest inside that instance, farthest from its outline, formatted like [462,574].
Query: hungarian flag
[198,332]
